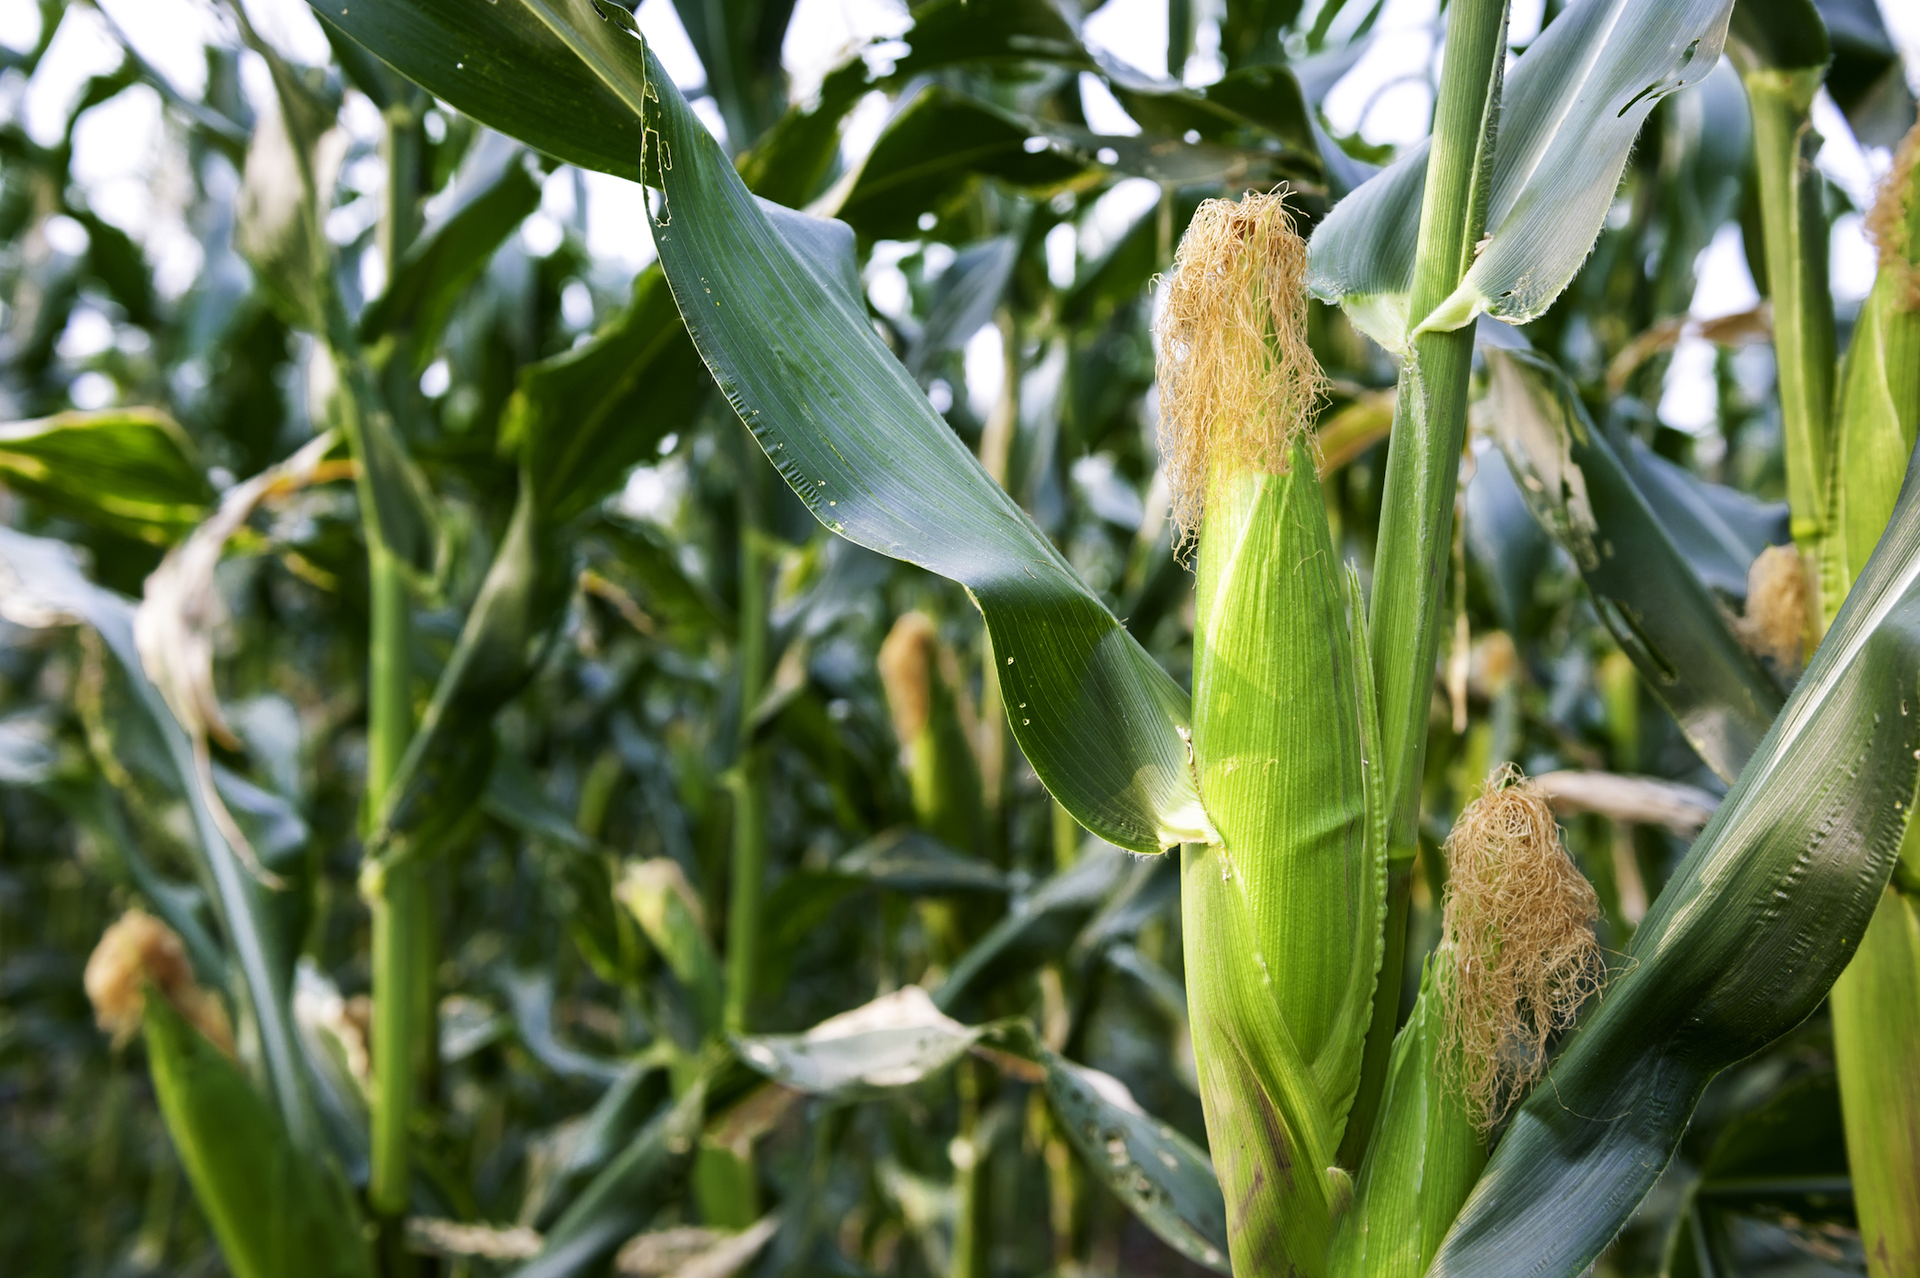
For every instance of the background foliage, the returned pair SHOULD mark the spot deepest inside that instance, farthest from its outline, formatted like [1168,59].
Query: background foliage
[687,649]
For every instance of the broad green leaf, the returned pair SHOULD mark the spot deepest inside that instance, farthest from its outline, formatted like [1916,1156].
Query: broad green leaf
[510,72]
[1162,1177]
[1718,530]
[619,1201]
[934,153]
[659,896]
[1743,943]
[908,861]
[1644,590]
[582,419]
[127,470]
[1423,1159]
[1076,890]
[40,585]
[497,186]
[1102,724]
[1573,105]
[275,1210]
[895,1041]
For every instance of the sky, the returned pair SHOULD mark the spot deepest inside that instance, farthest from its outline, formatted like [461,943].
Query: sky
[132,178]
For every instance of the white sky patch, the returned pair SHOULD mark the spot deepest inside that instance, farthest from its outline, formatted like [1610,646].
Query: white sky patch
[1853,169]
[986,367]
[19,24]
[1103,111]
[1134,31]
[1115,213]
[290,27]
[1061,244]
[618,232]
[82,48]
[1723,285]
[1903,24]
[824,33]
[670,43]
[172,36]
[1851,260]
[1388,96]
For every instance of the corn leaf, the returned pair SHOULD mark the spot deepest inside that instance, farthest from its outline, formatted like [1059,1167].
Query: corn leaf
[1102,724]
[902,1039]
[44,586]
[1573,105]
[274,1209]
[1163,1178]
[1643,588]
[1420,1165]
[619,1201]
[127,470]
[497,186]
[1751,930]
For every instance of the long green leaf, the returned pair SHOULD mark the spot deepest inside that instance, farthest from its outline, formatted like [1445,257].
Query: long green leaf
[497,186]
[276,1211]
[1643,588]
[1102,724]
[1743,943]
[128,470]
[43,585]
[1573,105]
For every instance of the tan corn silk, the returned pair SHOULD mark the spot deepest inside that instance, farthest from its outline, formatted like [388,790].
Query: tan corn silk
[1518,950]
[1775,624]
[1237,380]
[138,952]
[1888,220]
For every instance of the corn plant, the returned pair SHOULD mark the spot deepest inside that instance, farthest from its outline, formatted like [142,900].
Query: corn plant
[1372,1102]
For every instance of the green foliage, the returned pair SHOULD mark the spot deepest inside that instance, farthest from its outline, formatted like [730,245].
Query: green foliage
[559,727]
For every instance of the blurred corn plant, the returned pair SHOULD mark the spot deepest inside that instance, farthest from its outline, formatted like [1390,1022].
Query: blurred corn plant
[515,789]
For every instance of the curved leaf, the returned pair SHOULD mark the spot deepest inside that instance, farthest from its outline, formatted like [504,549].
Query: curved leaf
[274,1210]
[1752,929]
[497,186]
[1645,591]
[41,584]
[846,426]
[128,470]
[1573,105]
[1163,1178]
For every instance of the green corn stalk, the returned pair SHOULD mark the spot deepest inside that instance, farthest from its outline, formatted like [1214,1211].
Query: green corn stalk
[1876,1001]
[1781,50]
[397,894]
[1423,468]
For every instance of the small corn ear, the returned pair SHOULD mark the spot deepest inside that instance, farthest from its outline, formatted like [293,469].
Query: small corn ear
[1283,918]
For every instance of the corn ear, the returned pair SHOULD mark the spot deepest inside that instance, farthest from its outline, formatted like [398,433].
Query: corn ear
[919,675]
[1283,918]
